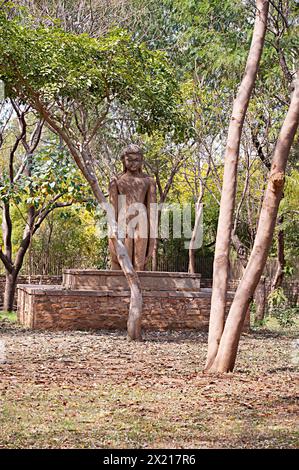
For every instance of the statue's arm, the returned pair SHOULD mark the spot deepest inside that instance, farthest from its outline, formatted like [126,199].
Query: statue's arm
[152,216]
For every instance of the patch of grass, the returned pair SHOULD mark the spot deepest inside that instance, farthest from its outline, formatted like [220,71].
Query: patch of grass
[271,324]
[10,316]
[111,417]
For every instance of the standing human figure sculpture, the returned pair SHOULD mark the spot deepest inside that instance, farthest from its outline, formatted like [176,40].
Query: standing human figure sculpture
[132,195]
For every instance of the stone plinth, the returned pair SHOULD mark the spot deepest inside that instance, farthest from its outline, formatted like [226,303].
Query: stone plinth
[94,279]
[93,299]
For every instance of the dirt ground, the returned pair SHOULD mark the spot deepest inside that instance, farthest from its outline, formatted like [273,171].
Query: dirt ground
[96,390]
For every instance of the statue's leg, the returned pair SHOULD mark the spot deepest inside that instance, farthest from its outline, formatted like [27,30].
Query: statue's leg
[140,247]
[129,245]
[115,265]
[114,261]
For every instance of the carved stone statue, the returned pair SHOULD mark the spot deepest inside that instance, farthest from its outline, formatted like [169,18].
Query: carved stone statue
[131,195]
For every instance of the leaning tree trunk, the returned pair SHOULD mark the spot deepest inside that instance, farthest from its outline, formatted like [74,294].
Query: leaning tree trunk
[227,351]
[9,291]
[227,204]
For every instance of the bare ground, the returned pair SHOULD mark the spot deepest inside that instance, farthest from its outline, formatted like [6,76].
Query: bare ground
[96,390]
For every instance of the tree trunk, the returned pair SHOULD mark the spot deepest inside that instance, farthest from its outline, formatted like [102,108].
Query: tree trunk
[9,292]
[225,222]
[227,351]
[191,266]
[260,300]
[135,309]
[278,278]
[194,237]
[157,241]
[155,255]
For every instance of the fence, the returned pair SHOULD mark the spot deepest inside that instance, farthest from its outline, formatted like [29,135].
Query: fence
[28,280]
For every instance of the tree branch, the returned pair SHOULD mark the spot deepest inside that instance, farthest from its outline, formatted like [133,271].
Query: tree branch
[7,264]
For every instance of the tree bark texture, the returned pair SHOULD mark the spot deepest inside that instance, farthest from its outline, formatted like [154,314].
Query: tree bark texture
[227,204]
[260,300]
[278,277]
[227,351]
[195,234]
[9,291]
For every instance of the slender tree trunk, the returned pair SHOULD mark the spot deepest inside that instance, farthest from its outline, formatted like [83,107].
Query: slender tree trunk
[260,292]
[135,309]
[9,292]
[227,204]
[260,300]
[227,351]
[155,255]
[195,235]
[7,231]
[191,266]
[157,241]
[278,278]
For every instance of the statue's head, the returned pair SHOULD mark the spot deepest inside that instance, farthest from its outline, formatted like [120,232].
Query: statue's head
[132,158]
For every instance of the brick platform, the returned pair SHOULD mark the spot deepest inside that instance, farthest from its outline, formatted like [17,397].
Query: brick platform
[78,305]
[94,279]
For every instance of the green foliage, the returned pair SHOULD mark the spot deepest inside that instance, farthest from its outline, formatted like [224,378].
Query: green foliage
[52,173]
[212,37]
[289,209]
[280,308]
[51,64]
[67,239]
[8,316]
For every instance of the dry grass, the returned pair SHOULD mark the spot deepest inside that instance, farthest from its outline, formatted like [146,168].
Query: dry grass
[96,390]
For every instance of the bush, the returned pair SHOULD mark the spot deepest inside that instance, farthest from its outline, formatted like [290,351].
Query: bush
[281,308]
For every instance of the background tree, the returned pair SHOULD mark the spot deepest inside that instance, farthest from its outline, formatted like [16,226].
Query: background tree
[69,238]
[33,183]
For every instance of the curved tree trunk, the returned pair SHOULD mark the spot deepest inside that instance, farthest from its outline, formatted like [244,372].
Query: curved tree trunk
[227,351]
[227,204]
[135,309]
[9,291]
